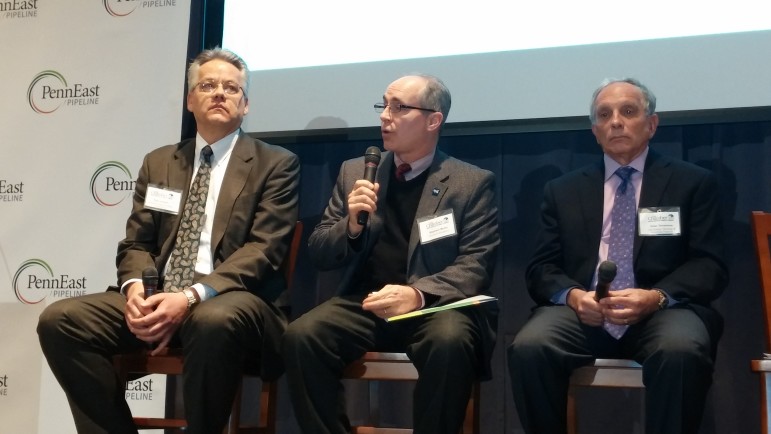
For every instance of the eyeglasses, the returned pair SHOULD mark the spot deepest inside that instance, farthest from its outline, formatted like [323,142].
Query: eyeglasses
[228,87]
[397,107]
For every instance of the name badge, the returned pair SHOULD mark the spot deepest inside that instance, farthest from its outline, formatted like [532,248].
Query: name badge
[662,221]
[163,199]
[437,226]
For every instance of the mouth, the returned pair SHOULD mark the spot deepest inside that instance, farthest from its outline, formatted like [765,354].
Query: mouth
[218,107]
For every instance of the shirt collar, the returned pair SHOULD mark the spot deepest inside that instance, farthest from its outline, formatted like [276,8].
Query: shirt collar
[219,148]
[416,167]
[638,164]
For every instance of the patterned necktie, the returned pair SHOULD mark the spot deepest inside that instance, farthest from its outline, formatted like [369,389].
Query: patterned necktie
[621,245]
[183,258]
[401,170]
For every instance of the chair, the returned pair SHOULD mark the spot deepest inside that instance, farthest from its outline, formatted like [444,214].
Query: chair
[602,373]
[761,229]
[375,366]
[171,363]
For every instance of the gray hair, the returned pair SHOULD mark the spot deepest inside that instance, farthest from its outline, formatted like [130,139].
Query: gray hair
[649,99]
[436,96]
[216,54]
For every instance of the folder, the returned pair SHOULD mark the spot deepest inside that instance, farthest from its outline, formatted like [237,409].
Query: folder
[471,301]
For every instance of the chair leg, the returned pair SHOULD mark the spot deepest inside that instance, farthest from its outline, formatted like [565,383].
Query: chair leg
[235,412]
[268,406]
[572,415]
[765,405]
[471,420]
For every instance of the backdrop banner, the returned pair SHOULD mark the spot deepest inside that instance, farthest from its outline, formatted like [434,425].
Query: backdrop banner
[89,88]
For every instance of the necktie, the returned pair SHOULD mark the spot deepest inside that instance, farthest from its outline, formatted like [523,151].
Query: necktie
[401,170]
[621,245]
[182,262]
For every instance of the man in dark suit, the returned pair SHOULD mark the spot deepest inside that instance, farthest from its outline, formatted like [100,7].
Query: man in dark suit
[660,317]
[394,264]
[225,315]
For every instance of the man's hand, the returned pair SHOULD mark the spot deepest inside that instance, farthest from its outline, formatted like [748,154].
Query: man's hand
[157,318]
[586,307]
[363,197]
[629,306]
[392,300]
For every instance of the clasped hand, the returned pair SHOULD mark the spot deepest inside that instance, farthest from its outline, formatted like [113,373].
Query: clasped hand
[623,306]
[157,318]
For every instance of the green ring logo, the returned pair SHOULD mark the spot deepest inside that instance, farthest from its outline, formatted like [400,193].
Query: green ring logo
[40,77]
[26,265]
[114,13]
[121,189]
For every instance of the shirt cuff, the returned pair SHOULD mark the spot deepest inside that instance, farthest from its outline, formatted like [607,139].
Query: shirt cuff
[126,284]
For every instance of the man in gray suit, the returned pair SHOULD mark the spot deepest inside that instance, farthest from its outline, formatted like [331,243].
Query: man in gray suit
[225,316]
[394,264]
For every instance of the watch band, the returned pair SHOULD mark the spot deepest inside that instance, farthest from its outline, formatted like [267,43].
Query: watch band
[191,299]
[663,299]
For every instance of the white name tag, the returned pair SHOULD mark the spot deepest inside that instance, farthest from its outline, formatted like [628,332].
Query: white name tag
[163,199]
[436,226]
[663,221]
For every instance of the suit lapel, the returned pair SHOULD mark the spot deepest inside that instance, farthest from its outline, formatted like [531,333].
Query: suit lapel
[236,175]
[591,203]
[655,180]
[179,172]
[433,192]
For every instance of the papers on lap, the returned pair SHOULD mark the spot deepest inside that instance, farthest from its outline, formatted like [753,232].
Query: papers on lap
[471,301]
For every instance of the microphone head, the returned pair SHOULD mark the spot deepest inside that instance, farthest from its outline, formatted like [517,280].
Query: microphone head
[372,155]
[150,274]
[607,271]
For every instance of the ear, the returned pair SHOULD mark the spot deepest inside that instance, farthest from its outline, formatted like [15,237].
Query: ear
[435,121]
[653,123]
[246,105]
[595,132]
[190,101]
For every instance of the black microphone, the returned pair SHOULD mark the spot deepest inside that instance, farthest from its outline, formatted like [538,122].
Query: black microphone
[605,275]
[371,160]
[150,281]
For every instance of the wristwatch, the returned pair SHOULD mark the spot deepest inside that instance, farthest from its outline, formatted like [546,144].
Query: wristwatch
[191,299]
[663,300]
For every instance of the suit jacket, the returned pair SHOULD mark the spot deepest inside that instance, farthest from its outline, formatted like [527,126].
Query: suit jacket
[689,267]
[446,270]
[253,223]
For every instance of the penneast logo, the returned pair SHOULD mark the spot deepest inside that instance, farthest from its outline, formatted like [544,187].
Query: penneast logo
[15,9]
[49,90]
[139,390]
[35,280]
[111,183]
[11,191]
[122,8]
[4,385]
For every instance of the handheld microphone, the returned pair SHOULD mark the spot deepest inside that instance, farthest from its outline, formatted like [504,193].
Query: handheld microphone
[605,275]
[150,281]
[371,160]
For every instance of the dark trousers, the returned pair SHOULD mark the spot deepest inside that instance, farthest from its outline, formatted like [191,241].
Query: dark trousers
[79,335]
[672,345]
[444,347]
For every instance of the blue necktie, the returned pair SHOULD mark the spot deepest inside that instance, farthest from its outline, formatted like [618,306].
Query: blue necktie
[621,245]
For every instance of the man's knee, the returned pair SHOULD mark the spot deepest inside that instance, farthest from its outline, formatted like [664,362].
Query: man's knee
[52,319]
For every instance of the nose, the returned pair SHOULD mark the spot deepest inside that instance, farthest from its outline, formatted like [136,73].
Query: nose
[385,115]
[615,120]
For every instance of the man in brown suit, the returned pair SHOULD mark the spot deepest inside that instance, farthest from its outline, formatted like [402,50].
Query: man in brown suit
[226,317]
